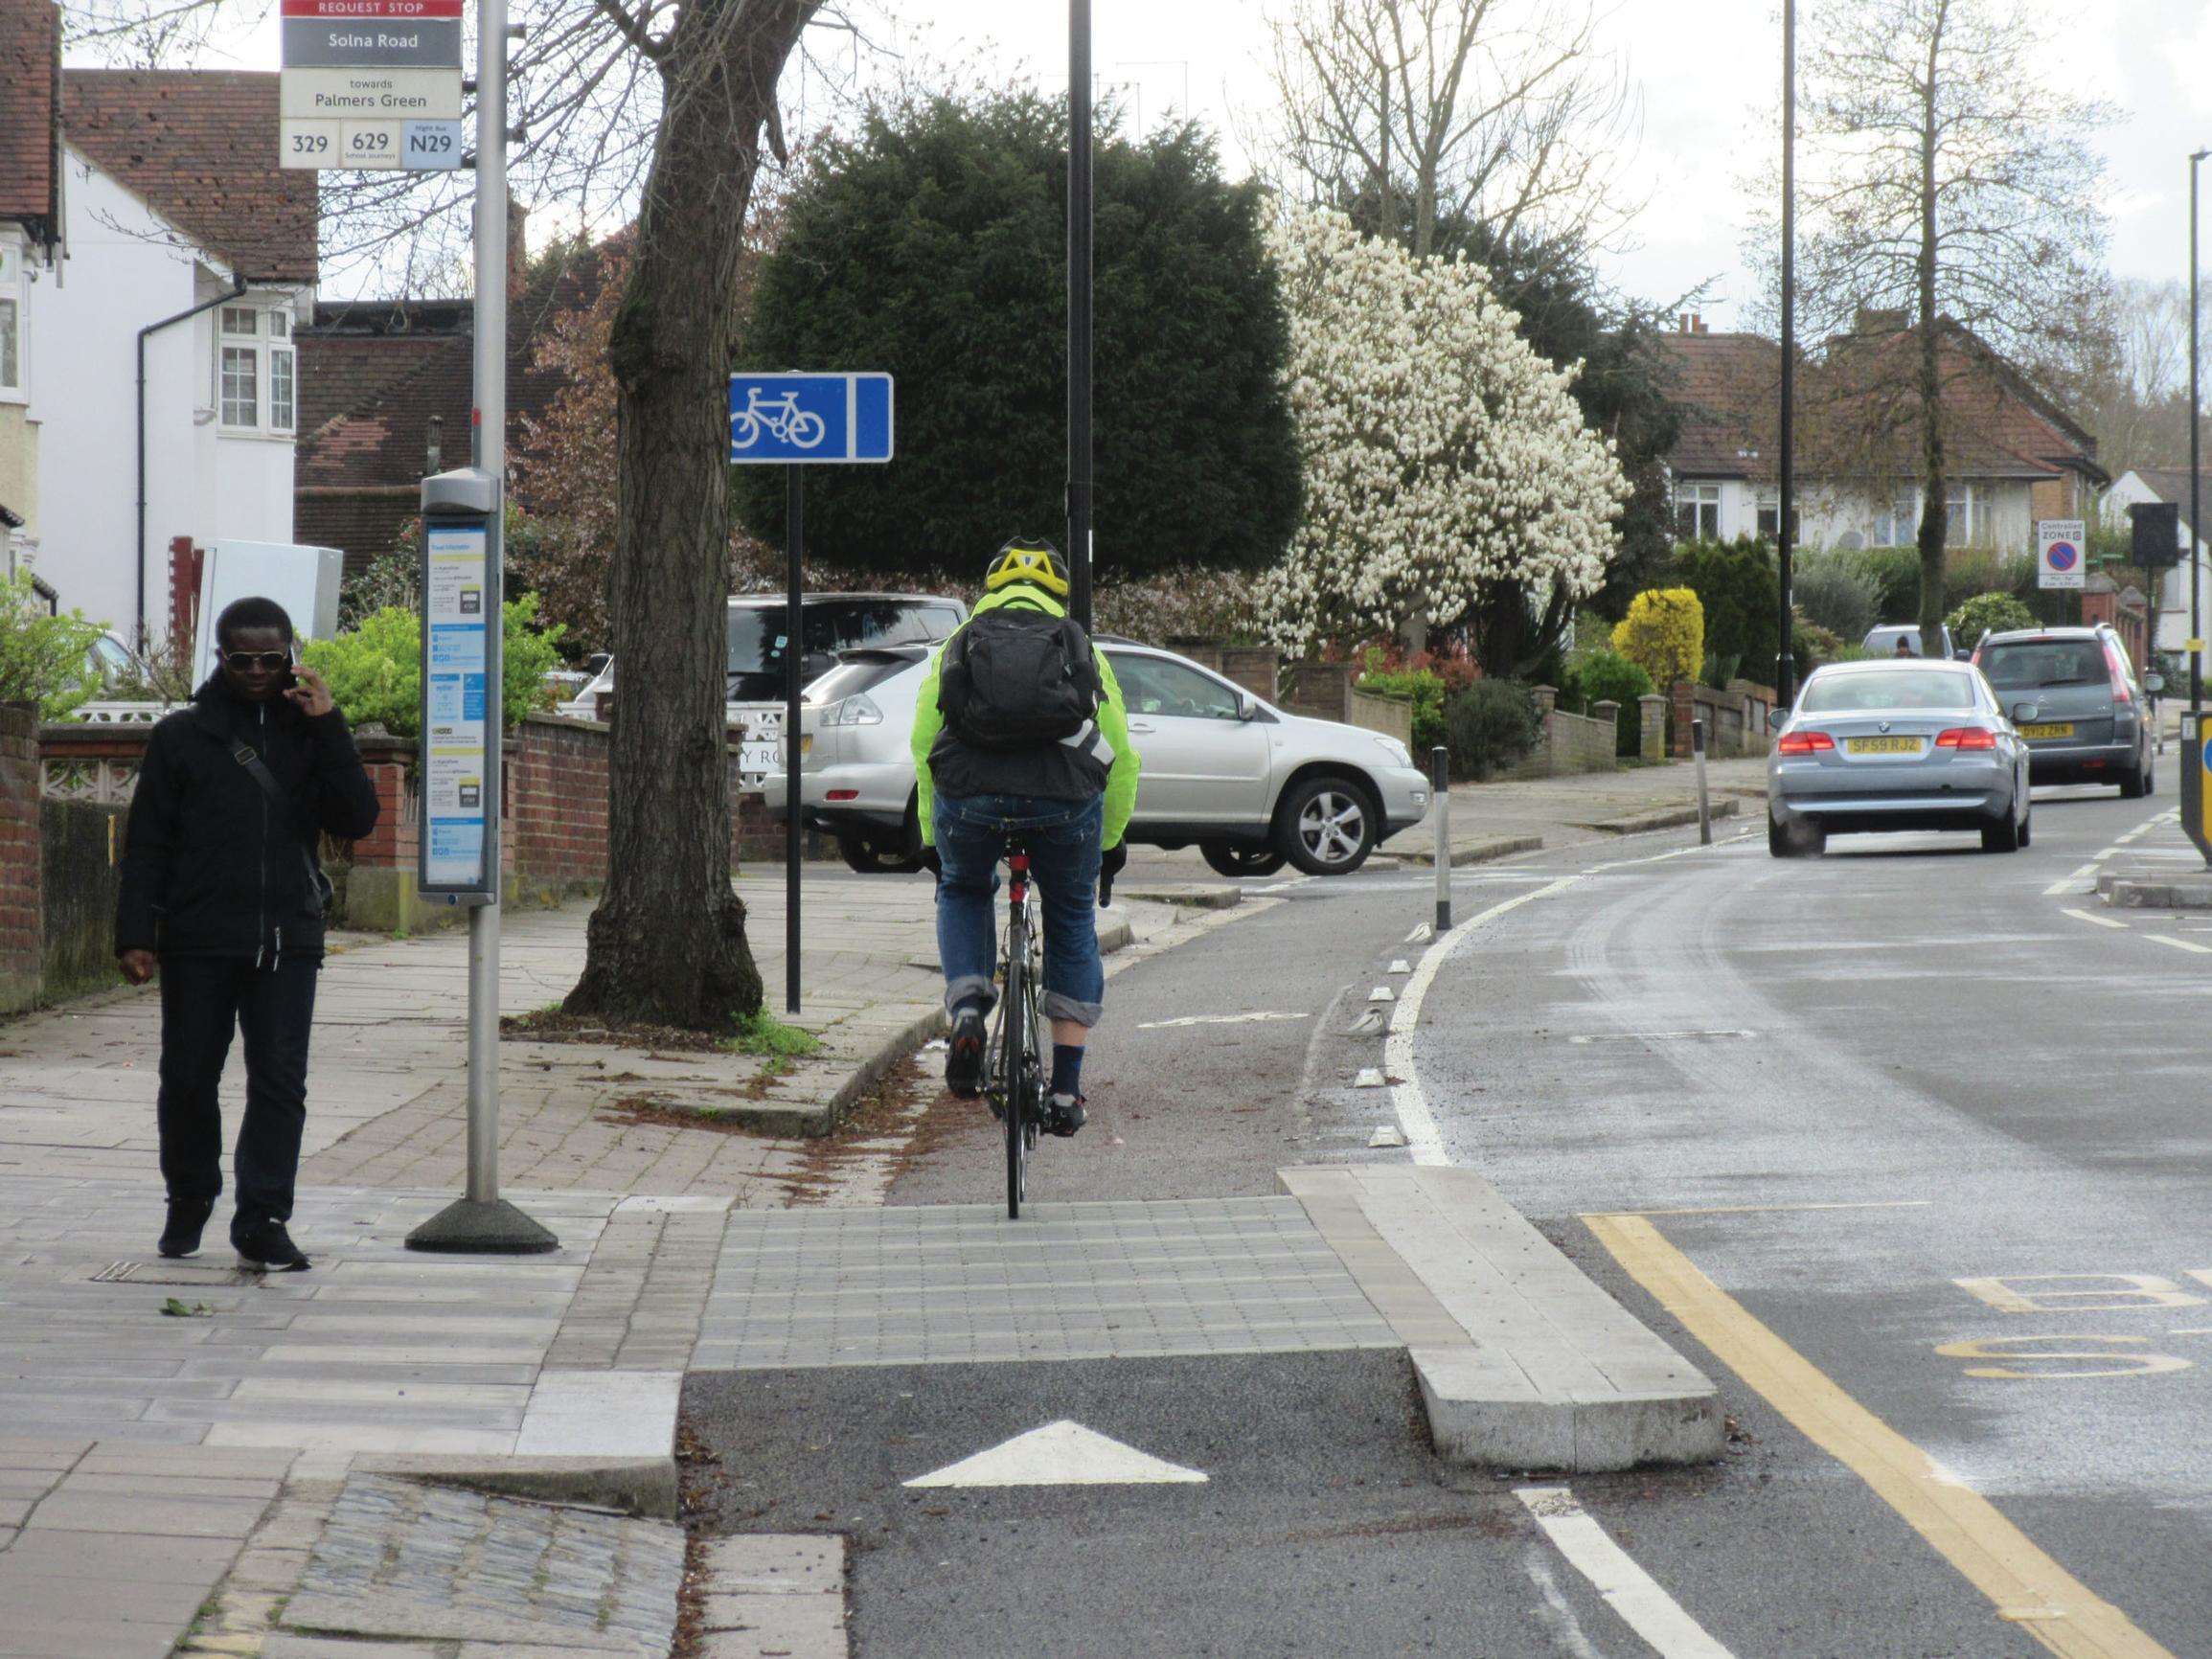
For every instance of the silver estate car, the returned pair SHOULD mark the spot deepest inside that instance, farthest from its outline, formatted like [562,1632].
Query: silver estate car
[1253,785]
[1902,743]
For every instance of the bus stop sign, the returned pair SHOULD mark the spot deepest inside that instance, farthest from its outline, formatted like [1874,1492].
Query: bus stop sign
[2197,782]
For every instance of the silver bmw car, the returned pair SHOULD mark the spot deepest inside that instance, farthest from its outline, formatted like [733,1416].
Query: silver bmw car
[1900,743]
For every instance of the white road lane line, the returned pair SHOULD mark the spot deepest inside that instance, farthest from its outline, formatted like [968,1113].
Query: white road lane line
[1628,1589]
[2093,916]
[1406,1098]
[2178,944]
[2068,883]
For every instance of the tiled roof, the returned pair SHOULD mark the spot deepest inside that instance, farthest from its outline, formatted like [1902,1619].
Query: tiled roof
[199,147]
[30,69]
[372,374]
[1726,387]
[1857,411]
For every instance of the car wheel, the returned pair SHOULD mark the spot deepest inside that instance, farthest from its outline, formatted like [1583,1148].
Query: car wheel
[2133,786]
[2027,826]
[1234,859]
[1796,840]
[2002,837]
[865,857]
[1326,827]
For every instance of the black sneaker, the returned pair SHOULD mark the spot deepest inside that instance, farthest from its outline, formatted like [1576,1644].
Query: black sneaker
[1065,1115]
[265,1247]
[180,1238]
[963,1057]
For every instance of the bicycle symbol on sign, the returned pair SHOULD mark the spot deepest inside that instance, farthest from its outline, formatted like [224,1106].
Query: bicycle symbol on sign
[781,418]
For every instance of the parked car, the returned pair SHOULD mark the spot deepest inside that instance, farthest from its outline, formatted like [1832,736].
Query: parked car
[1901,743]
[1882,642]
[753,684]
[1253,787]
[2090,724]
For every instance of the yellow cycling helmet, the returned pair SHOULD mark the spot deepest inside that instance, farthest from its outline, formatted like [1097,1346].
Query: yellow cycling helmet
[1036,562]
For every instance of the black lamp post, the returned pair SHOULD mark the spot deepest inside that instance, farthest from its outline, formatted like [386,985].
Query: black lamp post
[1079,309]
[1786,525]
[2196,523]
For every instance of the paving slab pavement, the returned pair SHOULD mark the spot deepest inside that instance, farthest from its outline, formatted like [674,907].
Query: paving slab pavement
[204,1425]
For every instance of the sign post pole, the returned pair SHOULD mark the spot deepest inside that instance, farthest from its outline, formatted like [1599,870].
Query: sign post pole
[463,720]
[794,651]
[797,420]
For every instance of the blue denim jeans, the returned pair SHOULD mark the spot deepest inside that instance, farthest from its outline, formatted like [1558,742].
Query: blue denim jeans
[1063,838]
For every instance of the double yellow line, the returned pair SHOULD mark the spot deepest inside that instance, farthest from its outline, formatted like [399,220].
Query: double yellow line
[2026,1586]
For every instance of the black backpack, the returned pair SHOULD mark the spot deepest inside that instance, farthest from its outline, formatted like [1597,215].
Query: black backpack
[1014,678]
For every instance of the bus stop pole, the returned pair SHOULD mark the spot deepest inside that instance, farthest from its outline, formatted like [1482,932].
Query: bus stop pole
[1440,780]
[1705,801]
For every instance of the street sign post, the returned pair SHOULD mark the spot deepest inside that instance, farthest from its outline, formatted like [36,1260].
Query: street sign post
[796,421]
[2061,544]
[370,83]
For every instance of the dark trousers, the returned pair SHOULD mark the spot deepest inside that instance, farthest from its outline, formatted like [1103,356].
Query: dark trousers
[202,998]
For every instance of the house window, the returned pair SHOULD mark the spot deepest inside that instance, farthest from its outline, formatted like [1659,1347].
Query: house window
[1697,513]
[10,318]
[1770,515]
[1899,524]
[257,377]
[1958,515]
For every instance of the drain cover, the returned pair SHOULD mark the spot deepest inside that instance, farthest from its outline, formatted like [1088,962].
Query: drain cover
[171,1273]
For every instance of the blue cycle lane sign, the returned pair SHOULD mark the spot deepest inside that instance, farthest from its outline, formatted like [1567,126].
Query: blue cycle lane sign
[811,420]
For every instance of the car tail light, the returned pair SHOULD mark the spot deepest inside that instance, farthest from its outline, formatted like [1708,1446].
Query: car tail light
[1966,738]
[2119,672]
[1803,743]
[844,795]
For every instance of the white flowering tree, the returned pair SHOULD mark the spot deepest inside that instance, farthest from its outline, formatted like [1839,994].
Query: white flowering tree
[1449,476]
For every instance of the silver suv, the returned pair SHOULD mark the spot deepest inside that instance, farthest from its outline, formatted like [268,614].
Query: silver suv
[2090,724]
[1252,785]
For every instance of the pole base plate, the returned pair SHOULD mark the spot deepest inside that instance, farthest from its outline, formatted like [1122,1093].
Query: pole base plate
[482,1227]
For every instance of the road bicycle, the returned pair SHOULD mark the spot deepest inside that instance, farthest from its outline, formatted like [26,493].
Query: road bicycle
[782,418]
[1014,1070]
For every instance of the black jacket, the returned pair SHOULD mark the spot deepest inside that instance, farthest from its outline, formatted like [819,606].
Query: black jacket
[211,865]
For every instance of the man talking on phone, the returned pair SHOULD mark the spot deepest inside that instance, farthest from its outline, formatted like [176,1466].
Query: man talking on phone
[224,891]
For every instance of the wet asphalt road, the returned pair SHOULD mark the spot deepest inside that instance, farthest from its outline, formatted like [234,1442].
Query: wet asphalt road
[1905,1024]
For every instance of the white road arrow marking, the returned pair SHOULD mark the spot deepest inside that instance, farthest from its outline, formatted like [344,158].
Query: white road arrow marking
[1059,1454]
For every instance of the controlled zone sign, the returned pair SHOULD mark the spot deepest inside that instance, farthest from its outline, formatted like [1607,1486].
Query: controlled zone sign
[2061,547]
[811,420]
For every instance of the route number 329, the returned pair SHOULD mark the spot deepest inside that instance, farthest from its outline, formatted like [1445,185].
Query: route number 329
[310,143]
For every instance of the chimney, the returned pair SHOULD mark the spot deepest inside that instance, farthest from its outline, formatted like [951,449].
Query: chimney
[1682,323]
[1696,325]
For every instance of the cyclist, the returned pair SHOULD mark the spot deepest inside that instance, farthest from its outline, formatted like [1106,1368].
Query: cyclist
[1020,729]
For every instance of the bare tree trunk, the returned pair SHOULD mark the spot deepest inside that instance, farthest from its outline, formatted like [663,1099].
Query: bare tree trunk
[1934,516]
[667,944]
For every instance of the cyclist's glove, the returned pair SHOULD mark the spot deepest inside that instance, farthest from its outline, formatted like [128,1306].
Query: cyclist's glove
[935,866]
[1113,859]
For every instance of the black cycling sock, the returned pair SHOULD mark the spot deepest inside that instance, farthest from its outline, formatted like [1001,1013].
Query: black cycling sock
[1067,1068]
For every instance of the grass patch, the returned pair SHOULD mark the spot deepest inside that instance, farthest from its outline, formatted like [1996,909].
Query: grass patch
[762,1033]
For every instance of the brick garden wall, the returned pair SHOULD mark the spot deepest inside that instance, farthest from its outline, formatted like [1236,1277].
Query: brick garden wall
[21,858]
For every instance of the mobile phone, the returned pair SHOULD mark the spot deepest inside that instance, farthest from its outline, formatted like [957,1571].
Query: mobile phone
[286,680]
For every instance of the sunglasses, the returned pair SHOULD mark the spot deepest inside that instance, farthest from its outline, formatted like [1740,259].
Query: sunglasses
[245,662]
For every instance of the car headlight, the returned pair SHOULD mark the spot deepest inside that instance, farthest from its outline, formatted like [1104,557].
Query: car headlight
[856,710]
[1397,752]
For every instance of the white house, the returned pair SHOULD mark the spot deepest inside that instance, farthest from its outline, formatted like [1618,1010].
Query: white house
[157,359]
[30,228]
[2013,456]
[2149,484]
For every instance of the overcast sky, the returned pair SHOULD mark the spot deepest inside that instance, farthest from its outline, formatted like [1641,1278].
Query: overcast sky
[1706,73]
